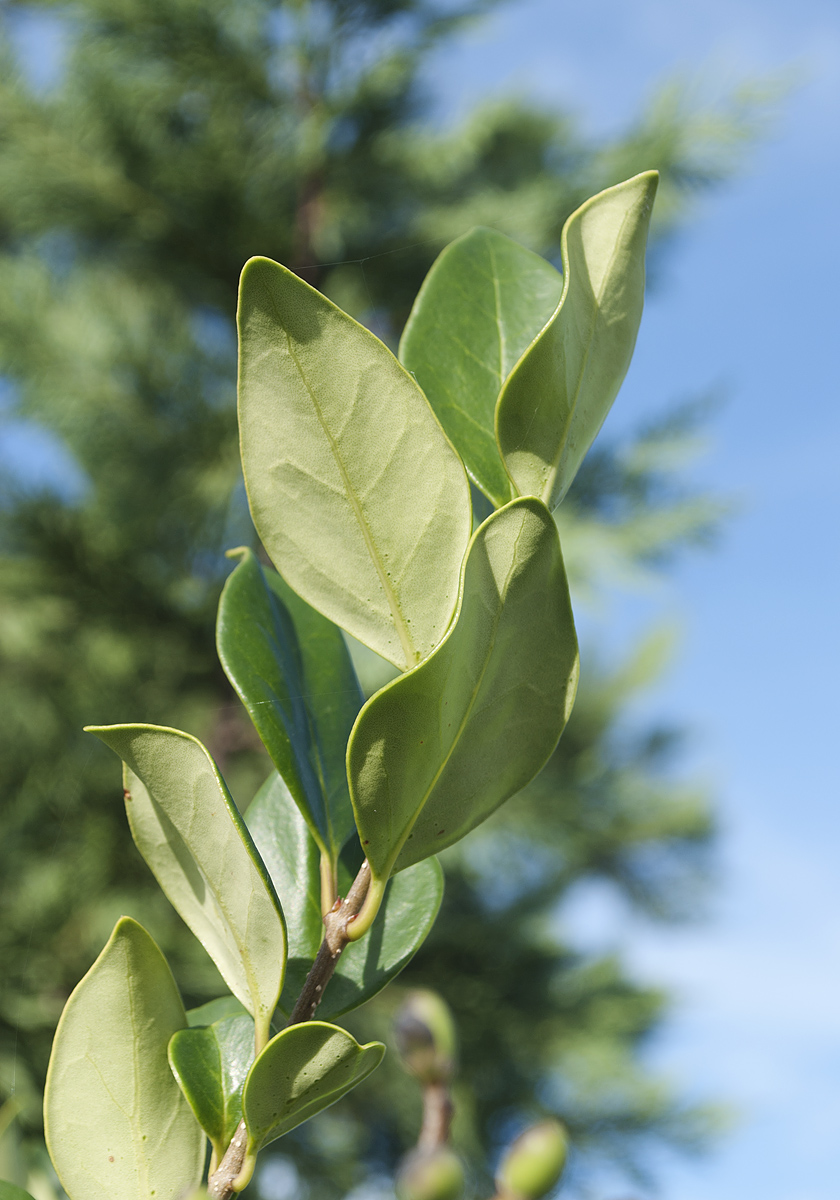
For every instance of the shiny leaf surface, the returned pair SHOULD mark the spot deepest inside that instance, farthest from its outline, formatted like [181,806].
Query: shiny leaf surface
[215,1010]
[293,673]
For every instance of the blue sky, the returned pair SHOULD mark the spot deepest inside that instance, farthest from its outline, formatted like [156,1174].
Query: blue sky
[751,307]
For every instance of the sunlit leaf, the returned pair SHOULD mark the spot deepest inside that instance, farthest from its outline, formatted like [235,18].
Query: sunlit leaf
[482,304]
[302,1070]
[355,491]
[557,397]
[117,1125]
[437,750]
[190,833]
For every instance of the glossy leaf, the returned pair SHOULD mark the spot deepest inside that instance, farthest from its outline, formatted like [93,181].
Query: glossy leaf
[294,675]
[215,1010]
[210,1064]
[437,750]
[117,1126]
[292,859]
[190,833]
[10,1191]
[557,397]
[302,1070]
[482,304]
[408,911]
[355,491]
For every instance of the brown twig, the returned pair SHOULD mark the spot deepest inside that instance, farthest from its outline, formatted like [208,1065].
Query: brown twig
[437,1117]
[220,1183]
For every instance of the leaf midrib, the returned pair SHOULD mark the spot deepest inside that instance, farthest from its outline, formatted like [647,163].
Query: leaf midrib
[561,447]
[460,731]
[408,647]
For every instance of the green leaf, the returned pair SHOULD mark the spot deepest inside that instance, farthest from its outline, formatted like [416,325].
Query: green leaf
[10,1191]
[408,912]
[117,1126]
[215,1010]
[190,833]
[291,857]
[302,1070]
[355,490]
[294,675]
[482,304]
[437,750]
[210,1064]
[558,395]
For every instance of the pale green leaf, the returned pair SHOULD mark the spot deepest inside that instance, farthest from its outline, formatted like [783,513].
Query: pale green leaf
[210,1063]
[355,490]
[294,675]
[557,397]
[302,1070]
[482,304]
[117,1125]
[407,914]
[190,833]
[437,750]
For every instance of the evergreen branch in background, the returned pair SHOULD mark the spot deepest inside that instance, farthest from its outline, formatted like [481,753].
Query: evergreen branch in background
[167,148]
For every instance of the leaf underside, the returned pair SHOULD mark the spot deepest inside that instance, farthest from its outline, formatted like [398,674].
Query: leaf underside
[355,491]
[557,397]
[190,833]
[117,1126]
[437,750]
[481,305]
[302,1071]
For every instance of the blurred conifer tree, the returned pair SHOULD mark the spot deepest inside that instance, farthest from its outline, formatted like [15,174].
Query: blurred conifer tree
[174,139]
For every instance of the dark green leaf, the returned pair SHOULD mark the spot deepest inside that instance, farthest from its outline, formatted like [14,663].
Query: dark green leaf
[357,495]
[437,750]
[482,304]
[557,397]
[210,1064]
[288,850]
[117,1126]
[293,673]
[408,911]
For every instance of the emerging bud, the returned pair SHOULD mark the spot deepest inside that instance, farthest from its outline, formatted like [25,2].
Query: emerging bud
[432,1175]
[425,1035]
[533,1163]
